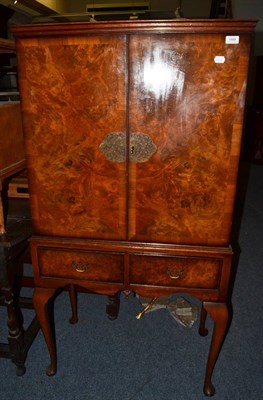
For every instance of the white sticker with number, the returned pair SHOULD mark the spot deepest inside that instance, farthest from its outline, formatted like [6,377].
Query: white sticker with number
[232,39]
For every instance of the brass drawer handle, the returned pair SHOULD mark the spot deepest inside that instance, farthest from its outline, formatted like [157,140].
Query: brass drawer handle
[176,272]
[80,266]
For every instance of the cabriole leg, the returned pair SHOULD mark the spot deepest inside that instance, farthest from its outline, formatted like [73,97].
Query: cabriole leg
[219,313]
[41,299]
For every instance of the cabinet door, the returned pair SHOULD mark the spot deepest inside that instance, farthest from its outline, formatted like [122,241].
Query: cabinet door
[73,92]
[187,94]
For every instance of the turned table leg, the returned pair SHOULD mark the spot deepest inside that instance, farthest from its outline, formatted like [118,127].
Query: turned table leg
[219,314]
[15,333]
[41,299]
[113,306]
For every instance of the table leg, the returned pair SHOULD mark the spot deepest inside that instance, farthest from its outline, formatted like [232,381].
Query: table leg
[41,301]
[219,313]
[15,333]
[113,306]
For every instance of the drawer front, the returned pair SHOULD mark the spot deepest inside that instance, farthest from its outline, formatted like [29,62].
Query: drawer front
[190,272]
[79,264]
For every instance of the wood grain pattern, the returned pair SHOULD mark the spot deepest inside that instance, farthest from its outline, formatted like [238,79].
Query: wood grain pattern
[72,100]
[101,267]
[197,134]
[195,272]
[184,193]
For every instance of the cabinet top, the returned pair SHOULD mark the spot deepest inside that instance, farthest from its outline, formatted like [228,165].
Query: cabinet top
[139,26]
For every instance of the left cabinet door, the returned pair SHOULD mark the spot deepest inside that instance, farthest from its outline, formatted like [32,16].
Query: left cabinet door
[74,93]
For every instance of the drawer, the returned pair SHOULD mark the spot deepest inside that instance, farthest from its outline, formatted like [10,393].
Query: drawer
[189,272]
[82,265]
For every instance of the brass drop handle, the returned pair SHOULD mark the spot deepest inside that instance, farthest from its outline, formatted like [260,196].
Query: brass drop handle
[175,272]
[80,266]
[132,149]
[146,308]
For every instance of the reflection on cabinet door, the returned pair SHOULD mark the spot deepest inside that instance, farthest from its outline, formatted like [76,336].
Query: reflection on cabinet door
[186,93]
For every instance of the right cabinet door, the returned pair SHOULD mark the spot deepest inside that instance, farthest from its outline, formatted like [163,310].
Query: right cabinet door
[187,94]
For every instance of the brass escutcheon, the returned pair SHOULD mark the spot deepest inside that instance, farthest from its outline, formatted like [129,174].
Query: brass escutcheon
[80,266]
[175,272]
[141,147]
[113,147]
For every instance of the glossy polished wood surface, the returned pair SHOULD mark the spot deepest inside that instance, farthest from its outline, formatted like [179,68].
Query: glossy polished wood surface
[184,193]
[81,100]
[175,271]
[72,98]
[80,265]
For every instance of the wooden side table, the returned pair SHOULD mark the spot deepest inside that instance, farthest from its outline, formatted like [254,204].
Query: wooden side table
[13,251]
[14,231]
[12,244]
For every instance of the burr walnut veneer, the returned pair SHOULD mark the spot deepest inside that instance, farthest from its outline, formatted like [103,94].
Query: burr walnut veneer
[132,133]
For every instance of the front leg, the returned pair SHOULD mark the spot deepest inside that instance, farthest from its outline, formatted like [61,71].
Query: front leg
[41,299]
[219,313]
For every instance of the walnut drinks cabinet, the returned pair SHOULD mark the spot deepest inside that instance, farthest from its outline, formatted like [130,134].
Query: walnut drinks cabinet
[132,134]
